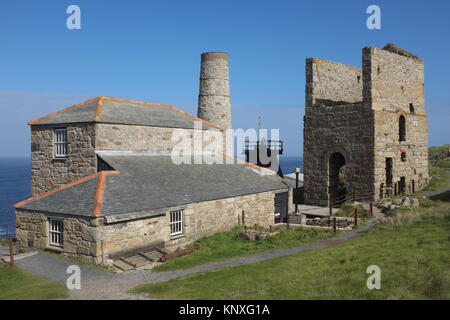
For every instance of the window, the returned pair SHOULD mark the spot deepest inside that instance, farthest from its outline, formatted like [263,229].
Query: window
[403,156]
[411,108]
[61,143]
[176,222]
[401,128]
[55,236]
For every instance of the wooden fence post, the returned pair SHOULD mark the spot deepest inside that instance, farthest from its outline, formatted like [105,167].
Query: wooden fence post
[243,217]
[334,224]
[11,250]
[354,195]
[356,216]
[371,208]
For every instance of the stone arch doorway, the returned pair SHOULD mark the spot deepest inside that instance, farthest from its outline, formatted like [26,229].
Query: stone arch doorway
[336,180]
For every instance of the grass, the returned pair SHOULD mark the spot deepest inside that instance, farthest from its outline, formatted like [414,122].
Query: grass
[221,246]
[445,163]
[439,178]
[348,210]
[412,249]
[4,242]
[438,153]
[16,284]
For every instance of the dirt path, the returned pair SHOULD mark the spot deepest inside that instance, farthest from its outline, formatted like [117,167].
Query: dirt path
[102,284]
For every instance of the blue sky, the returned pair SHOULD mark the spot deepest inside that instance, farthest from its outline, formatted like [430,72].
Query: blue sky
[150,50]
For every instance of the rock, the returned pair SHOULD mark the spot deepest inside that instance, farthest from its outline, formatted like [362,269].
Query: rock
[406,202]
[392,207]
[243,235]
[397,202]
[414,202]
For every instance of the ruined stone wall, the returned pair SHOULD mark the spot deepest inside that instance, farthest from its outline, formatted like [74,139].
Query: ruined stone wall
[392,86]
[392,83]
[48,172]
[332,83]
[347,129]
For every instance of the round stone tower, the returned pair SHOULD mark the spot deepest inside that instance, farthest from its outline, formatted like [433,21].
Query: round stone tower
[214,97]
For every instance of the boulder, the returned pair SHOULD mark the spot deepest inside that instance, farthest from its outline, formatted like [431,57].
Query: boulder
[406,202]
[397,202]
[414,202]
[392,207]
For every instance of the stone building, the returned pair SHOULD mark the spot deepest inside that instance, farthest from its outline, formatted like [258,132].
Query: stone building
[365,129]
[104,178]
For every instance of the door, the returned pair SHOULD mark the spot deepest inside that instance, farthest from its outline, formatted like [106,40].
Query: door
[388,172]
[281,207]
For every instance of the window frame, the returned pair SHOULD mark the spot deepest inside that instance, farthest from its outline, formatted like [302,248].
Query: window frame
[56,232]
[58,145]
[176,223]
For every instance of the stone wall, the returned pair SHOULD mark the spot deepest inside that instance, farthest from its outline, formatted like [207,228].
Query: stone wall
[83,236]
[393,82]
[200,220]
[144,138]
[331,83]
[346,129]
[367,132]
[48,172]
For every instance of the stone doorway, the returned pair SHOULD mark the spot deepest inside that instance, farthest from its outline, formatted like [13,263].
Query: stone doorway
[336,177]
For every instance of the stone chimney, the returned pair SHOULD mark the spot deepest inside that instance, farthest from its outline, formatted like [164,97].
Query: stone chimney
[214,97]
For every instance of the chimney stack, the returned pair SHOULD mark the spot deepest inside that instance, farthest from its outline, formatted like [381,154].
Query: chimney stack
[214,97]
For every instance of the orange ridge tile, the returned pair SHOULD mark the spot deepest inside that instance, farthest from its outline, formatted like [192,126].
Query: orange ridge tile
[98,200]
[39,196]
[62,110]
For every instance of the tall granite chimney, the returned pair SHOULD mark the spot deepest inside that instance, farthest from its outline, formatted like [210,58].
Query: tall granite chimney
[214,97]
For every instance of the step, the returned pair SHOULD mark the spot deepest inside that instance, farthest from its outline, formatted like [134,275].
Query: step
[122,265]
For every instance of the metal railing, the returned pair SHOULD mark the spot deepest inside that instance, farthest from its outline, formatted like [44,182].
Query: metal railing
[269,144]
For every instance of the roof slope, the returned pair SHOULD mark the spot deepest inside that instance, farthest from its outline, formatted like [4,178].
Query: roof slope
[150,182]
[122,111]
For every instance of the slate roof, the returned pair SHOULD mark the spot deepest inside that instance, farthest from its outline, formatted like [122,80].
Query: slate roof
[148,184]
[122,111]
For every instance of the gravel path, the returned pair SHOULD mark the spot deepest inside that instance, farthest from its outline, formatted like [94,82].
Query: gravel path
[101,284]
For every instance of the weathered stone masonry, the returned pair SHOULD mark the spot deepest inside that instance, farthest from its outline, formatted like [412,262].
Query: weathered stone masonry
[83,236]
[353,115]
[48,172]
[84,140]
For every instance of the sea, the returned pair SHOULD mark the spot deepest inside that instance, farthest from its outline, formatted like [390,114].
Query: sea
[15,185]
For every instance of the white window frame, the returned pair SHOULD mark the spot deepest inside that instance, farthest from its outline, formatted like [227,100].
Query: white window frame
[60,143]
[176,222]
[55,232]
